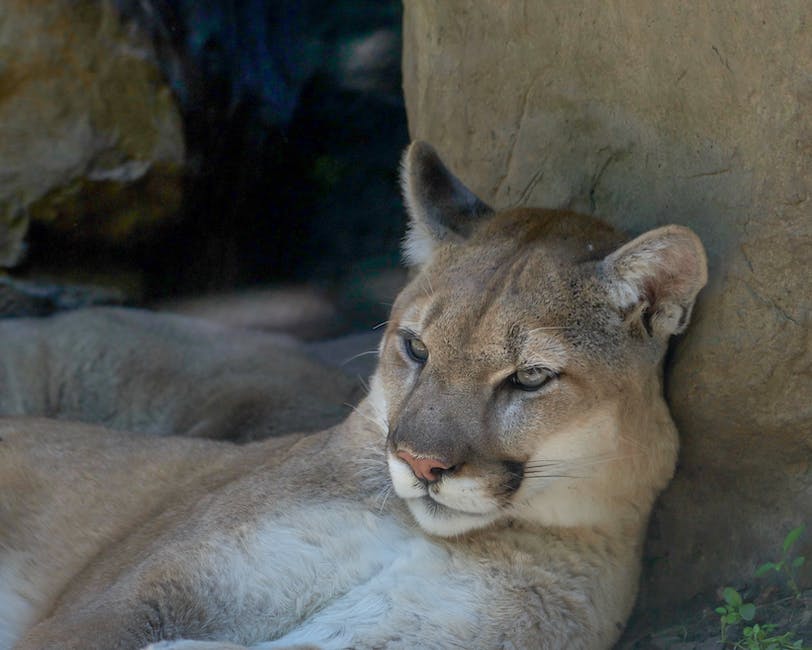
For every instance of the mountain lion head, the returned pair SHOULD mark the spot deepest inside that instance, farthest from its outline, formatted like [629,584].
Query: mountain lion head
[519,374]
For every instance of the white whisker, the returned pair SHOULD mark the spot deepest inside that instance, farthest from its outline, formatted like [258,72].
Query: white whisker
[364,384]
[583,461]
[378,424]
[572,468]
[542,475]
[384,497]
[360,354]
[384,421]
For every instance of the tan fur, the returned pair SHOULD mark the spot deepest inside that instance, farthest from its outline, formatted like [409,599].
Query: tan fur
[162,374]
[529,538]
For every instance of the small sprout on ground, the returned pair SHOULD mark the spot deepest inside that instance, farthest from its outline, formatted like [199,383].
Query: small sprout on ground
[759,637]
[734,611]
[786,567]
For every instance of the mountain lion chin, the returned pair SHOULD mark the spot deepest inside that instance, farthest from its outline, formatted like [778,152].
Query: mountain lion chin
[442,521]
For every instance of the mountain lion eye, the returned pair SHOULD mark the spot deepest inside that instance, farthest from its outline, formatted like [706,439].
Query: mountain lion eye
[531,378]
[416,349]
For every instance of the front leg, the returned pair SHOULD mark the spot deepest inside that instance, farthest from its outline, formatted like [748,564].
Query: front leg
[187,644]
[110,627]
[109,631]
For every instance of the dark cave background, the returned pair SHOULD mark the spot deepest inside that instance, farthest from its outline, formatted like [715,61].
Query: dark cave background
[294,123]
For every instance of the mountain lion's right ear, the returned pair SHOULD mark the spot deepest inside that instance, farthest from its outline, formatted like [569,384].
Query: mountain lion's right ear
[440,207]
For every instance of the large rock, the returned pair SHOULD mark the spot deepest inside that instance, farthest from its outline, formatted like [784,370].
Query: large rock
[644,114]
[90,139]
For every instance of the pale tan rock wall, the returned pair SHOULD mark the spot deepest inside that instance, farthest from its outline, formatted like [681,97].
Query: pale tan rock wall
[646,113]
[91,141]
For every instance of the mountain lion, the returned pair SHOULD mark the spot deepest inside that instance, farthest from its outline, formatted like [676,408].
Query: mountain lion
[491,491]
[164,374]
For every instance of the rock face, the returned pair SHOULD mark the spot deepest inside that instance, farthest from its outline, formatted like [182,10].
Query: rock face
[646,114]
[89,134]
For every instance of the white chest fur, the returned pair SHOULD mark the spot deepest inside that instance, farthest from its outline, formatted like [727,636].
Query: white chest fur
[335,575]
[16,608]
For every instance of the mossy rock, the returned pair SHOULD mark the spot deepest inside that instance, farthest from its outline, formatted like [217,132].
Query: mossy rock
[92,140]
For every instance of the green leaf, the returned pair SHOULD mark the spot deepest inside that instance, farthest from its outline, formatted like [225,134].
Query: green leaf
[747,611]
[732,618]
[731,596]
[721,610]
[798,562]
[764,569]
[792,537]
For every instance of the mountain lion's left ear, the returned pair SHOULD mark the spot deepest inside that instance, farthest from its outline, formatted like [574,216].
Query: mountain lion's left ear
[440,207]
[656,278]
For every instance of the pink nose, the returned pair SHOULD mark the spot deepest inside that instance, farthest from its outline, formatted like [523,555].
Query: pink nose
[425,468]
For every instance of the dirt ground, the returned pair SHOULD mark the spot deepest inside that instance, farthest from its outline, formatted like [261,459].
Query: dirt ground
[696,626]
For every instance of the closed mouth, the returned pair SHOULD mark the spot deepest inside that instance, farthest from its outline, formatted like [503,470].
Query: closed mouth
[437,508]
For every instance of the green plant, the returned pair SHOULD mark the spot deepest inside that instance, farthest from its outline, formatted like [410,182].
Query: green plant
[759,637]
[734,610]
[786,567]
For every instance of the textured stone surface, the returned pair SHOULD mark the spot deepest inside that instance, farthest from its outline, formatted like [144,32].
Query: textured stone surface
[648,113]
[90,138]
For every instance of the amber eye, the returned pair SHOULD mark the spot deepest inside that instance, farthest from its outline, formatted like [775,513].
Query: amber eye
[416,349]
[532,378]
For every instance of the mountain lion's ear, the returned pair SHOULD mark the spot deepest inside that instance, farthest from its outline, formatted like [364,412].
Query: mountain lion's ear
[655,278]
[440,207]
